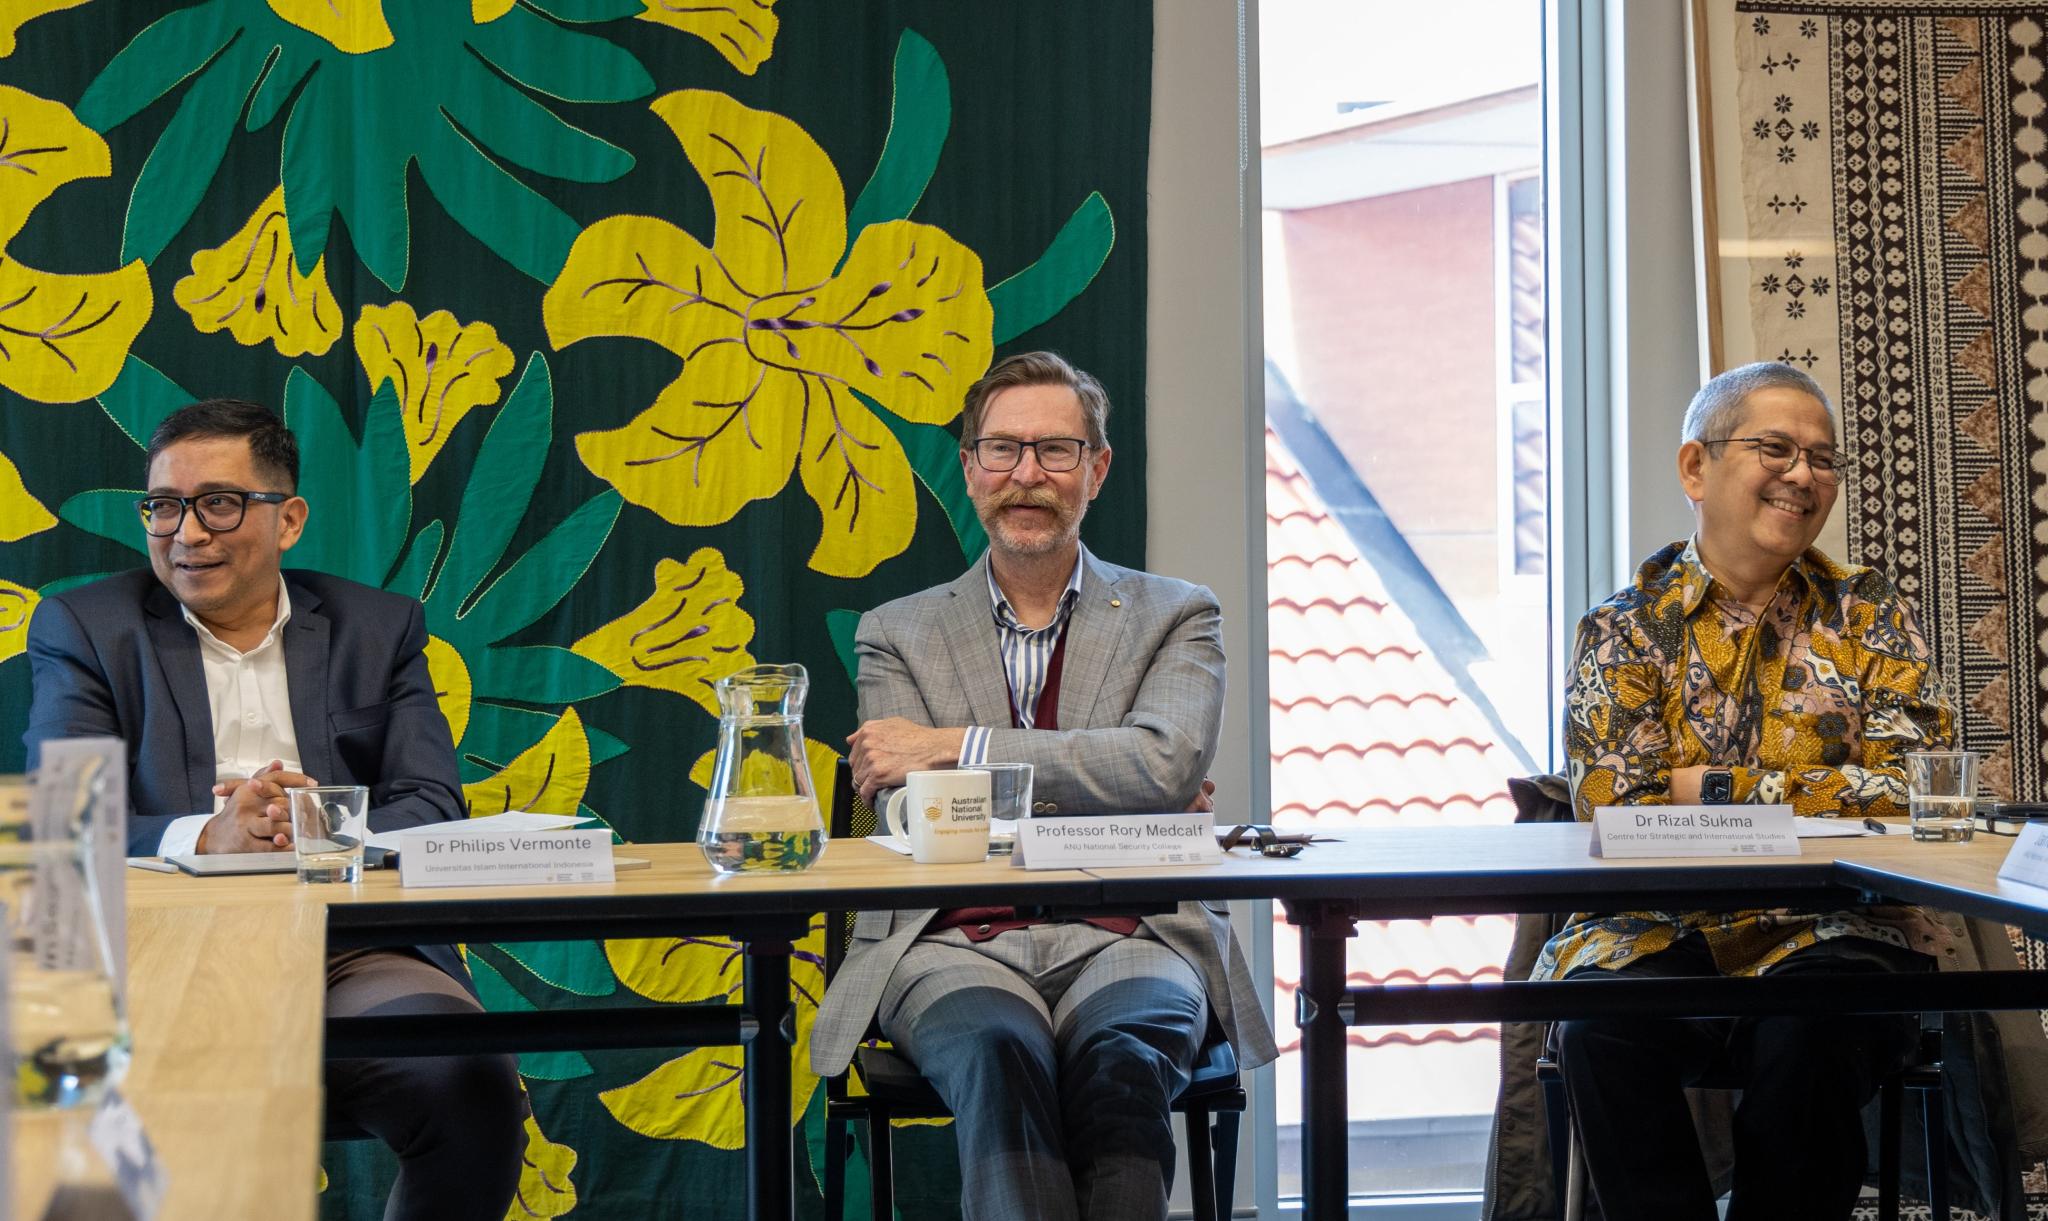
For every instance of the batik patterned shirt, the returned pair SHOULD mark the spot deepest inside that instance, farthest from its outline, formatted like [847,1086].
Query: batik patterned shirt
[1812,703]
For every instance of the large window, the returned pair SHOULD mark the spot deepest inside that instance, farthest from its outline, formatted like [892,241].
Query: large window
[1407,501]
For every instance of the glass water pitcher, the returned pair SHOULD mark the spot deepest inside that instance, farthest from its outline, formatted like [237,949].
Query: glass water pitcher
[67,1025]
[762,814]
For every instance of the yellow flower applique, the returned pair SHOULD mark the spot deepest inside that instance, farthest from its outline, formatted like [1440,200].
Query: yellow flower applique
[440,369]
[250,287]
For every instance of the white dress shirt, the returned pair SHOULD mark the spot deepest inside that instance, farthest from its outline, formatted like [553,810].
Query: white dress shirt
[252,714]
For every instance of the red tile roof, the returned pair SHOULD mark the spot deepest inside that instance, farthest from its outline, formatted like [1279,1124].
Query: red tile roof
[1368,729]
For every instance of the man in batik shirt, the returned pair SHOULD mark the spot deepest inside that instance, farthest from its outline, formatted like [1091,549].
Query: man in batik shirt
[1744,666]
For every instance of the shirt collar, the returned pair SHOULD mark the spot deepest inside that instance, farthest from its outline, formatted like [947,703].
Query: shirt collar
[1813,570]
[206,636]
[1005,617]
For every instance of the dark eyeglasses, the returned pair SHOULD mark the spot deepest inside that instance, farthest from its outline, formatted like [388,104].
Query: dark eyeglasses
[1779,456]
[219,512]
[1004,453]
[1265,840]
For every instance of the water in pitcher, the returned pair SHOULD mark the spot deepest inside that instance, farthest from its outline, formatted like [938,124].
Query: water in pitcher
[757,834]
[761,815]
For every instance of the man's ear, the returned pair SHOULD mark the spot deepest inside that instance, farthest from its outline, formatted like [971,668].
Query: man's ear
[1100,464]
[291,522]
[1692,470]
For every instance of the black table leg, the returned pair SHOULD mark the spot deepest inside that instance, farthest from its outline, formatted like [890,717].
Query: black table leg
[1325,1118]
[770,1150]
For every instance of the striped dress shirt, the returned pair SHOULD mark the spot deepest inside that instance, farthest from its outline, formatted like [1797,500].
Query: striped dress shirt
[1026,654]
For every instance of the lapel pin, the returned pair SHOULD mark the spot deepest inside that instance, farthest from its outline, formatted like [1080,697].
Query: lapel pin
[1116,601]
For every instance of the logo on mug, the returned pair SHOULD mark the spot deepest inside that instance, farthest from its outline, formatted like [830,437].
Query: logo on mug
[931,812]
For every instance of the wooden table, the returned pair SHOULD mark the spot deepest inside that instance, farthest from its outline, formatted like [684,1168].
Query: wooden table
[227,989]
[226,1069]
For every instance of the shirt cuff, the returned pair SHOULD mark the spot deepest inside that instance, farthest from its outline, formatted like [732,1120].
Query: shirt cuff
[974,747]
[182,836]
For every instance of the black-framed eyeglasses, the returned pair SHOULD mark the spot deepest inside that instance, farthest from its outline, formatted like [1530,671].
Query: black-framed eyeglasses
[1779,456]
[1054,454]
[219,512]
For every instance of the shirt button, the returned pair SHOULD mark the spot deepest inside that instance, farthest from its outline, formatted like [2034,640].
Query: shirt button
[249,717]
[982,929]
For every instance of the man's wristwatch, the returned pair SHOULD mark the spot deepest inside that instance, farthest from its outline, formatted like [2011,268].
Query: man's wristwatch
[1717,786]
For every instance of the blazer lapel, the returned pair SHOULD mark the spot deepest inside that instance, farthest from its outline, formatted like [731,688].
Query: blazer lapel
[968,634]
[177,651]
[305,675]
[1094,637]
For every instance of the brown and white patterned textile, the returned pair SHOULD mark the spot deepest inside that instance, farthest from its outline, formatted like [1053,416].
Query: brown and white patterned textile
[1894,184]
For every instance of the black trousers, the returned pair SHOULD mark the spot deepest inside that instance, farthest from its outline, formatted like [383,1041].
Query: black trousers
[1799,1147]
[457,1123]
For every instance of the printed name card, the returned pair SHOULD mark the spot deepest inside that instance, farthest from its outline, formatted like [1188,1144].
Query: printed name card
[2027,862]
[1636,831]
[505,858]
[1111,840]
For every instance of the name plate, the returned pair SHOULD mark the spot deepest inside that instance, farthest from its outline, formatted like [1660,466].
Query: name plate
[2027,862]
[1634,831]
[1110,840]
[505,858]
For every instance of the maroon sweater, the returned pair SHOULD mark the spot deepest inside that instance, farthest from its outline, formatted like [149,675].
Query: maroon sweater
[982,923]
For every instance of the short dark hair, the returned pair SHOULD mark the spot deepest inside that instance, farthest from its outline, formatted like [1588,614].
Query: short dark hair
[1036,369]
[271,444]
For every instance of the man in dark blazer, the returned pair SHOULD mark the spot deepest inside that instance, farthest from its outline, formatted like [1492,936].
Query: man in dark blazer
[1058,1046]
[232,681]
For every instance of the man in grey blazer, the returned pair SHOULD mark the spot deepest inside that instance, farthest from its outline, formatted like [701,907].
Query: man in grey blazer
[230,680]
[1059,1046]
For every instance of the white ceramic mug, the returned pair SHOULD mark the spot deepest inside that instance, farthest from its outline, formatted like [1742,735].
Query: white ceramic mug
[942,815]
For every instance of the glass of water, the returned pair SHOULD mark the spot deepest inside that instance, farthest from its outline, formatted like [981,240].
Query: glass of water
[1009,800]
[329,823]
[1941,789]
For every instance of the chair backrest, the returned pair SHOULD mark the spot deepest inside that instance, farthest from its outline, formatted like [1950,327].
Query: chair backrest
[850,818]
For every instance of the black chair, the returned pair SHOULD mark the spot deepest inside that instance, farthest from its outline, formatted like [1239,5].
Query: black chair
[1923,1077]
[896,1090]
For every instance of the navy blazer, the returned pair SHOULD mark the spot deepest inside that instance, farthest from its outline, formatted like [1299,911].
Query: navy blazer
[116,658]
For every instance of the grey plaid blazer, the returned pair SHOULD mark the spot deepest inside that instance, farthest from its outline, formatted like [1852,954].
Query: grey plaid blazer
[1141,706]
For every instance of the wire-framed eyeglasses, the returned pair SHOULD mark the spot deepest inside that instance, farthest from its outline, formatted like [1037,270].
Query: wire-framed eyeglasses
[1054,454]
[1779,456]
[219,512]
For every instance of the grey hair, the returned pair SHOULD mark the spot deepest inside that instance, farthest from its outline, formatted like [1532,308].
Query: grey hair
[1716,409]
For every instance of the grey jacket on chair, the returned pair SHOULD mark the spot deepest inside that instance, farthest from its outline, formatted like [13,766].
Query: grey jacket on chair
[1140,710]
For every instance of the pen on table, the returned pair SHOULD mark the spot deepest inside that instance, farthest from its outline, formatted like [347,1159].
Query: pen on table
[1877,827]
[152,864]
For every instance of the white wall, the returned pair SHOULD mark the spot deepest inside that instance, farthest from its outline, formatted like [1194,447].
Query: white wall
[1204,474]
[1654,345]
[1205,415]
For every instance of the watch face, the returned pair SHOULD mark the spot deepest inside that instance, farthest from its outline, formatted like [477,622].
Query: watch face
[1717,787]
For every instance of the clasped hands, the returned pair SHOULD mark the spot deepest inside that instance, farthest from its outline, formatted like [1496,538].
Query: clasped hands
[883,752]
[257,816]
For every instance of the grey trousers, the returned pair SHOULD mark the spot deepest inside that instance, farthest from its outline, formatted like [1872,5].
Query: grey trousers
[1059,1049]
[457,1123]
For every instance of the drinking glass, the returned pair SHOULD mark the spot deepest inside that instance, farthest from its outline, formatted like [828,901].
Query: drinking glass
[1941,793]
[1009,800]
[329,823]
